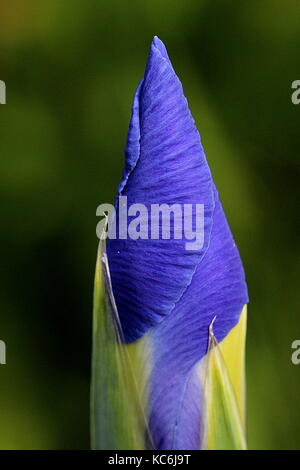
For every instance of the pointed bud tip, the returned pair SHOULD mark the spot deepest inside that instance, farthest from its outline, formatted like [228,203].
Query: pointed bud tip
[158,46]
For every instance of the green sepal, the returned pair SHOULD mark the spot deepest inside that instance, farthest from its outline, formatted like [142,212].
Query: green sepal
[117,416]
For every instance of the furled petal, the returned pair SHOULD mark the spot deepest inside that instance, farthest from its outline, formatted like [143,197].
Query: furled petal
[165,163]
[161,288]
[218,289]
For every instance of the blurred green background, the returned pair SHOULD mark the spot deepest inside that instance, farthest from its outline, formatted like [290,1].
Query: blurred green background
[71,68]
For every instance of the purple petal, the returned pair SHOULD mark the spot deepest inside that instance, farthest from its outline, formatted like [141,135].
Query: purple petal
[218,289]
[158,284]
[165,163]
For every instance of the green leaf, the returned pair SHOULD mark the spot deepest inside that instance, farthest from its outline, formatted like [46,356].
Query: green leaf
[117,416]
[224,390]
